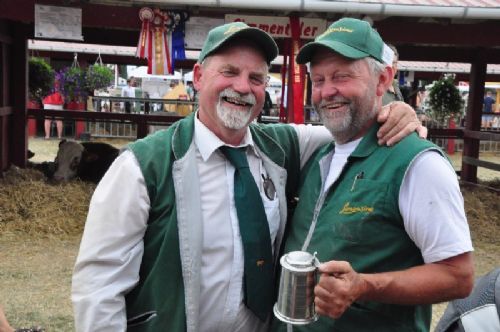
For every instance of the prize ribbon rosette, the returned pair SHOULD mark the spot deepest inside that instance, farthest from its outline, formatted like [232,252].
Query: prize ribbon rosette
[157,30]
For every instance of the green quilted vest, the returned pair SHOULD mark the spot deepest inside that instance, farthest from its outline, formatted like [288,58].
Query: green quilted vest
[358,221]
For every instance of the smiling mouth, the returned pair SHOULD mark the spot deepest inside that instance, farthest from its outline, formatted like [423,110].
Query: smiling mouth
[237,102]
[334,106]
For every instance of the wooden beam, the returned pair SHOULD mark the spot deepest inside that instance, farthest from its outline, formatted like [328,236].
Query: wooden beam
[434,75]
[483,136]
[451,53]
[19,90]
[481,163]
[4,111]
[412,31]
[445,133]
[473,118]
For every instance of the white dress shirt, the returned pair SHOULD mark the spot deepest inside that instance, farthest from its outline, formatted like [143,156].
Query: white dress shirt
[222,255]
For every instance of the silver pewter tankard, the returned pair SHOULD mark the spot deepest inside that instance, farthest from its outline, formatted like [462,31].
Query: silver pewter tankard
[295,303]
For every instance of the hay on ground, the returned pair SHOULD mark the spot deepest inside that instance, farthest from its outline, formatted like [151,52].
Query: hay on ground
[29,205]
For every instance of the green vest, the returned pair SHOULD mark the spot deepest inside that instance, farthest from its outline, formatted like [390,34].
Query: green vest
[157,303]
[359,222]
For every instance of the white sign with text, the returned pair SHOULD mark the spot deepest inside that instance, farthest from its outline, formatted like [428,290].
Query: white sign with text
[279,27]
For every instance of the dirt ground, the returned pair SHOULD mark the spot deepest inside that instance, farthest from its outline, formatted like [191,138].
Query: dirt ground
[41,225]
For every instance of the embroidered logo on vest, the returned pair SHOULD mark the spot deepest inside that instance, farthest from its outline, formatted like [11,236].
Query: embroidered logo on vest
[347,209]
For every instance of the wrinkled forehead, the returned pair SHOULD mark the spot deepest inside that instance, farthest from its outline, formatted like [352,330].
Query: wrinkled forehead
[231,50]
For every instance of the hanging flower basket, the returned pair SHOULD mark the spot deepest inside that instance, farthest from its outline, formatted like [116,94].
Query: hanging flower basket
[445,100]
[98,77]
[40,80]
[72,84]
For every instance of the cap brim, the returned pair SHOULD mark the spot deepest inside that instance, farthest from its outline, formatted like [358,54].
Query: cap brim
[262,39]
[307,51]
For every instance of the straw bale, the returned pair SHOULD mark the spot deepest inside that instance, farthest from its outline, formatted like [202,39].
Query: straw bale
[483,211]
[30,205]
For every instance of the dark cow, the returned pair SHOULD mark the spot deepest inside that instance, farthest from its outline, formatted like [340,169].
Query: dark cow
[47,167]
[87,161]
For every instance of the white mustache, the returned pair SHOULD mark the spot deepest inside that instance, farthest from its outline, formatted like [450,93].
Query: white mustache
[230,93]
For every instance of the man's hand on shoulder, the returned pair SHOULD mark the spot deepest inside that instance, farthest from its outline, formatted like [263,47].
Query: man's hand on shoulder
[399,120]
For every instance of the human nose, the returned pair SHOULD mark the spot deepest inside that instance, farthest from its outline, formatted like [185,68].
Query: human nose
[329,90]
[241,84]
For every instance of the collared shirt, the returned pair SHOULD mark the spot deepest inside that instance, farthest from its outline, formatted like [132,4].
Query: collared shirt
[221,307]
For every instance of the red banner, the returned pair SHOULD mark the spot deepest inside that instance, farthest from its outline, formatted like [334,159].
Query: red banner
[153,41]
[295,77]
[286,49]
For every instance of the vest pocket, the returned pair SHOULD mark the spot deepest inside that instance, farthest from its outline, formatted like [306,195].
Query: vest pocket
[356,215]
[141,318]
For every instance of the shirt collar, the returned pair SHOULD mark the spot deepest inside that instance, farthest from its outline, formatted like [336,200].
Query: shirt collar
[207,142]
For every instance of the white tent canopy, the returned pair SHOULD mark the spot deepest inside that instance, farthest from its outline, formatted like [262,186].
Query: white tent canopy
[142,72]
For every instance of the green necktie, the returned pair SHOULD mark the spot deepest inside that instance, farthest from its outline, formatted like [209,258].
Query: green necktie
[254,229]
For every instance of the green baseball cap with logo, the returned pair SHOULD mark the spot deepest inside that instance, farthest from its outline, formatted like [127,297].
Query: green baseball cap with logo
[221,35]
[352,38]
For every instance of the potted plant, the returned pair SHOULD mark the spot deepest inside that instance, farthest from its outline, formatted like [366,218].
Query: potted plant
[445,101]
[98,77]
[40,81]
[72,86]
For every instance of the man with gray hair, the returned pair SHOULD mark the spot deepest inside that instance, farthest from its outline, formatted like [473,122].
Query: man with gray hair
[388,222]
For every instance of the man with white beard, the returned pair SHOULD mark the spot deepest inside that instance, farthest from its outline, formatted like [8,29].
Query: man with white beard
[163,246]
[388,222]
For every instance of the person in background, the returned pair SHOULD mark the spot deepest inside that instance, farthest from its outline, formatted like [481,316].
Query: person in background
[129,91]
[388,223]
[165,245]
[190,91]
[393,93]
[268,103]
[53,101]
[488,103]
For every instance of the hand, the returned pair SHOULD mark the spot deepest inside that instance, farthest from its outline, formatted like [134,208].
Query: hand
[338,287]
[400,120]
[4,324]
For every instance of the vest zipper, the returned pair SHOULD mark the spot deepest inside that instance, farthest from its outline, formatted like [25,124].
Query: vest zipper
[317,209]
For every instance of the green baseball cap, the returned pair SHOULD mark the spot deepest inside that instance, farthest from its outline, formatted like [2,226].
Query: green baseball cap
[221,35]
[352,38]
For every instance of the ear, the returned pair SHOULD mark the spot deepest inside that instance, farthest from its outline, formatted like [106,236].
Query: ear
[384,80]
[62,141]
[197,74]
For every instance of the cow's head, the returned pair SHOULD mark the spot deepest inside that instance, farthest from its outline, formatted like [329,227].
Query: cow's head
[68,160]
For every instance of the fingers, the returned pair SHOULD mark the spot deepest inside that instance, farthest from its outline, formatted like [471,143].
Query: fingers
[335,267]
[383,114]
[397,133]
[332,296]
[422,131]
[390,117]
[400,122]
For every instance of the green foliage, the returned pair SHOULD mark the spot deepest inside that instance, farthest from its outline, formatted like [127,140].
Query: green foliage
[445,100]
[72,83]
[98,77]
[40,79]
